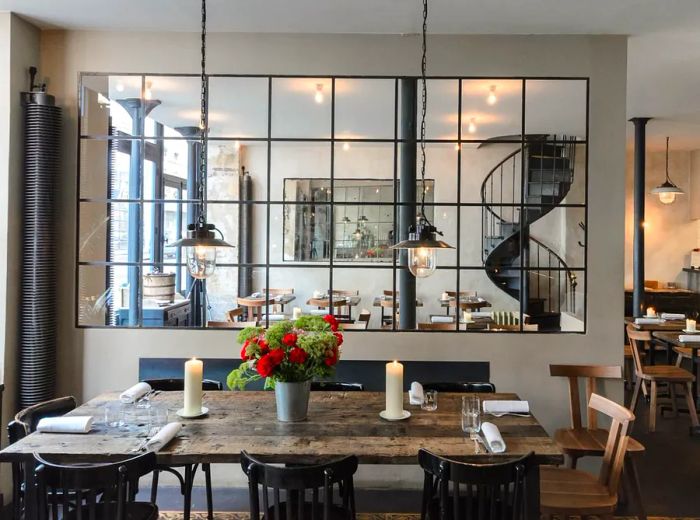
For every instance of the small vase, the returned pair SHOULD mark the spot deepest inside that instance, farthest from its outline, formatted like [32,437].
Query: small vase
[292,400]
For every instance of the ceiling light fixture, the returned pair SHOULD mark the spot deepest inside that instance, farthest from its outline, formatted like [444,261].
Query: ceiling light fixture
[422,243]
[472,126]
[346,147]
[318,97]
[201,242]
[492,99]
[667,191]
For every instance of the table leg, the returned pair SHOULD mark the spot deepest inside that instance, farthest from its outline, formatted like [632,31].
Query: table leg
[189,481]
[694,368]
[532,494]
[31,511]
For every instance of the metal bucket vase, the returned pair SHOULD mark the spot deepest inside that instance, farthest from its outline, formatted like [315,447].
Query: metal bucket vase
[292,401]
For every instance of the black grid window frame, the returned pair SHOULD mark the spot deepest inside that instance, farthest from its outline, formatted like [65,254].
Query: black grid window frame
[268,202]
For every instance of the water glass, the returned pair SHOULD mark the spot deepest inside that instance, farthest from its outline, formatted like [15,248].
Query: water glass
[114,414]
[429,403]
[471,415]
[159,415]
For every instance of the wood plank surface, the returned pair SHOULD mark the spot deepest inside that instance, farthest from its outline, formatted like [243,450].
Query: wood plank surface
[668,325]
[673,339]
[339,424]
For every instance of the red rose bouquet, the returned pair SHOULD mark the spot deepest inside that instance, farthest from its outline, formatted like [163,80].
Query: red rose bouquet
[288,352]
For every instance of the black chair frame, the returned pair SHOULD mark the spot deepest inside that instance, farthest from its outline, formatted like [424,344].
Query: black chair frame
[335,386]
[461,387]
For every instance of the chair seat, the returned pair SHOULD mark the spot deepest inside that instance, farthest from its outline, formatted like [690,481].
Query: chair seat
[589,442]
[336,513]
[666,373]
[134,511]
[684,352]
[573,491]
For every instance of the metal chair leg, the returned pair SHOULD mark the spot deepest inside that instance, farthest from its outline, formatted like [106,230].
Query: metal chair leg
[210,502]
[189,481]
[154,486]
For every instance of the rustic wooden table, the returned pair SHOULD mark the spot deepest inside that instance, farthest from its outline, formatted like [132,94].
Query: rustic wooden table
[339,424]
[668,325]
[671,339]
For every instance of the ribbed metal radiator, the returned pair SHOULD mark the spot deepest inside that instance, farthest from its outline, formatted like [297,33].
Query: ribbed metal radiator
[38,308]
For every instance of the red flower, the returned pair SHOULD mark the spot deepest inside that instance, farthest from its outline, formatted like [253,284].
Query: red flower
[264,347]
[289,339]
[339,337]
[330,319]
[277,355]
[331,357]
[298,355]
[244,353]
[266,365]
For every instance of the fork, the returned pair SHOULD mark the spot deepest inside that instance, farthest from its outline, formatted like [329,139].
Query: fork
[151,433]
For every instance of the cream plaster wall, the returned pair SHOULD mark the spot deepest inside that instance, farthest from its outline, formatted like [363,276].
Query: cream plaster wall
[95,360]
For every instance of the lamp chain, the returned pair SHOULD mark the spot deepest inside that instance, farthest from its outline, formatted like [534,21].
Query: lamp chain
[203,121]
[667,139]
[424,108]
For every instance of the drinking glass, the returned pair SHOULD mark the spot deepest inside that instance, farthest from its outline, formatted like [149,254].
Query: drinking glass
[159,415]
[114,414]
[471,415]
[430,398]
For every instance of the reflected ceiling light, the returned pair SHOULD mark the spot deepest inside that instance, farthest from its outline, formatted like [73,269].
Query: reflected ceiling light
[237,145]
[201,243]
[457,147]
[346,147]
[120,87]
[318,97]
[492,99]
[668,190]
[422,243]
[148,93]
[472,126]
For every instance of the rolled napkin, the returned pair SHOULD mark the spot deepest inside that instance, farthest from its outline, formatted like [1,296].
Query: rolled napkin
[318,312]
[442,319]
[164,436]
[672,316]
[481,314]
[498,407]
[493,437]
[648,321]
[689,338]
[415,394]
[256,295]
[136,392]
[275,317]
[69,424]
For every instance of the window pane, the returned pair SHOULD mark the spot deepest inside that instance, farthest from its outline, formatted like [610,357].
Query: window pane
[556,107]
[238,107]
[429,292]
[557,237]
[107,171]
[491,173]
[442,108]
[300,233]
[301,107]
[363,160]
[174,103]
[485,292]
[296,168]
[358,292]
[110,105]
[307,283]
[104,232]
[363,233]
[364,108]
[492,109]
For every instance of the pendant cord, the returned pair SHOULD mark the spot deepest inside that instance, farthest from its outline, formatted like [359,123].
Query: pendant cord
[424,108]
[667,178]
[203,121]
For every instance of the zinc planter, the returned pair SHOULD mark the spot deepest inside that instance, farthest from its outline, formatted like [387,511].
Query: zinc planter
[292,401]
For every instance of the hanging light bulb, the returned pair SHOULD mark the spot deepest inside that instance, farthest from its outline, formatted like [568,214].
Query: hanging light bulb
[148,93]
[667,191]
[120,87]
[346,147]
[318,97]
[472,126]
[422,243]
[492,99]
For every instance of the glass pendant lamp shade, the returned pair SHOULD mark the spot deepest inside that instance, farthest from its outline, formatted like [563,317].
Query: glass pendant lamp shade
[668,190]
[200,249]
[422,246]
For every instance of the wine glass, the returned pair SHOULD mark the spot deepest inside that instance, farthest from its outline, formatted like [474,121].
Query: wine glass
[471,415]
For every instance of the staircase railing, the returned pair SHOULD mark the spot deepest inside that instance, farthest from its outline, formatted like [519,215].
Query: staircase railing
[551,279]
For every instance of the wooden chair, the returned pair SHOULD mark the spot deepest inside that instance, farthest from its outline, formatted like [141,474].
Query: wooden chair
[655,374]
[651,284]
[186,482]
[104,491]
[292,483]
[272,291]
[24,423]
[460,491]
[234,314]
[253,306]
[364,317]
[568,492]
[683,353]
[335,386]
[461,387]
[583,440]
[358,325]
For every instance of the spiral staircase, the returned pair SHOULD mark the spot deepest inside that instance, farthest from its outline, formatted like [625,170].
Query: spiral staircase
[547,285]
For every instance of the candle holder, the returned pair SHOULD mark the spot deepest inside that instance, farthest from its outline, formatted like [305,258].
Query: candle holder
[405,414]
[202,412]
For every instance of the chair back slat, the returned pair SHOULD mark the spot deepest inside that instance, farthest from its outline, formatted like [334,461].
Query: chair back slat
[638,339]
[474,491]
[591,373]
[292,483]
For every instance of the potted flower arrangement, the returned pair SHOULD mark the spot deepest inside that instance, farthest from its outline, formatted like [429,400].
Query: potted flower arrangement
[288,356]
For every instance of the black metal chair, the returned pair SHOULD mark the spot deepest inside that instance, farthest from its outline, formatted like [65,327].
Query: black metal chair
[186,481]
[96,491]
[461,387]
[460,491]
[23,424]
[296,482]
[335,386]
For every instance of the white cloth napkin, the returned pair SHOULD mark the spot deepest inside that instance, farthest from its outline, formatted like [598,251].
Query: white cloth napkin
[442,319]
[164,436]
[481,314]
[689,338]
[136,392]
[256,295]
[672,316]
[415,394]
[648,321]
[318,312]
[493,437]
[275,317]
[496,406]
[70,424]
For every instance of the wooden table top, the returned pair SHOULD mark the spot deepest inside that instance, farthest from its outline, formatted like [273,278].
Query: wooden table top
[338,301]
[668,325]
[464,303]
[672,338]
[379,299]
[262,300]
[339,424]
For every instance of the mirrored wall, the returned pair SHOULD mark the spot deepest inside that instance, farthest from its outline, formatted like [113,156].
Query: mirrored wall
[304,178]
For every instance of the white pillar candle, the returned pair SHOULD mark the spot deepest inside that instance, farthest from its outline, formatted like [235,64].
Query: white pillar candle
[467,316]
[296,313]
[651,311]
[445,296]
[690,325]
[394,389]
[193,386]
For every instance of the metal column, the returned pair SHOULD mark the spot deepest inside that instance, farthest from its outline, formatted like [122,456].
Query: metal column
[639,195]
[245,234]
[407,193]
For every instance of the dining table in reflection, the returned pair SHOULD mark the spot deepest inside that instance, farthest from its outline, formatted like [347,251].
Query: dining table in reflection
[256,303]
